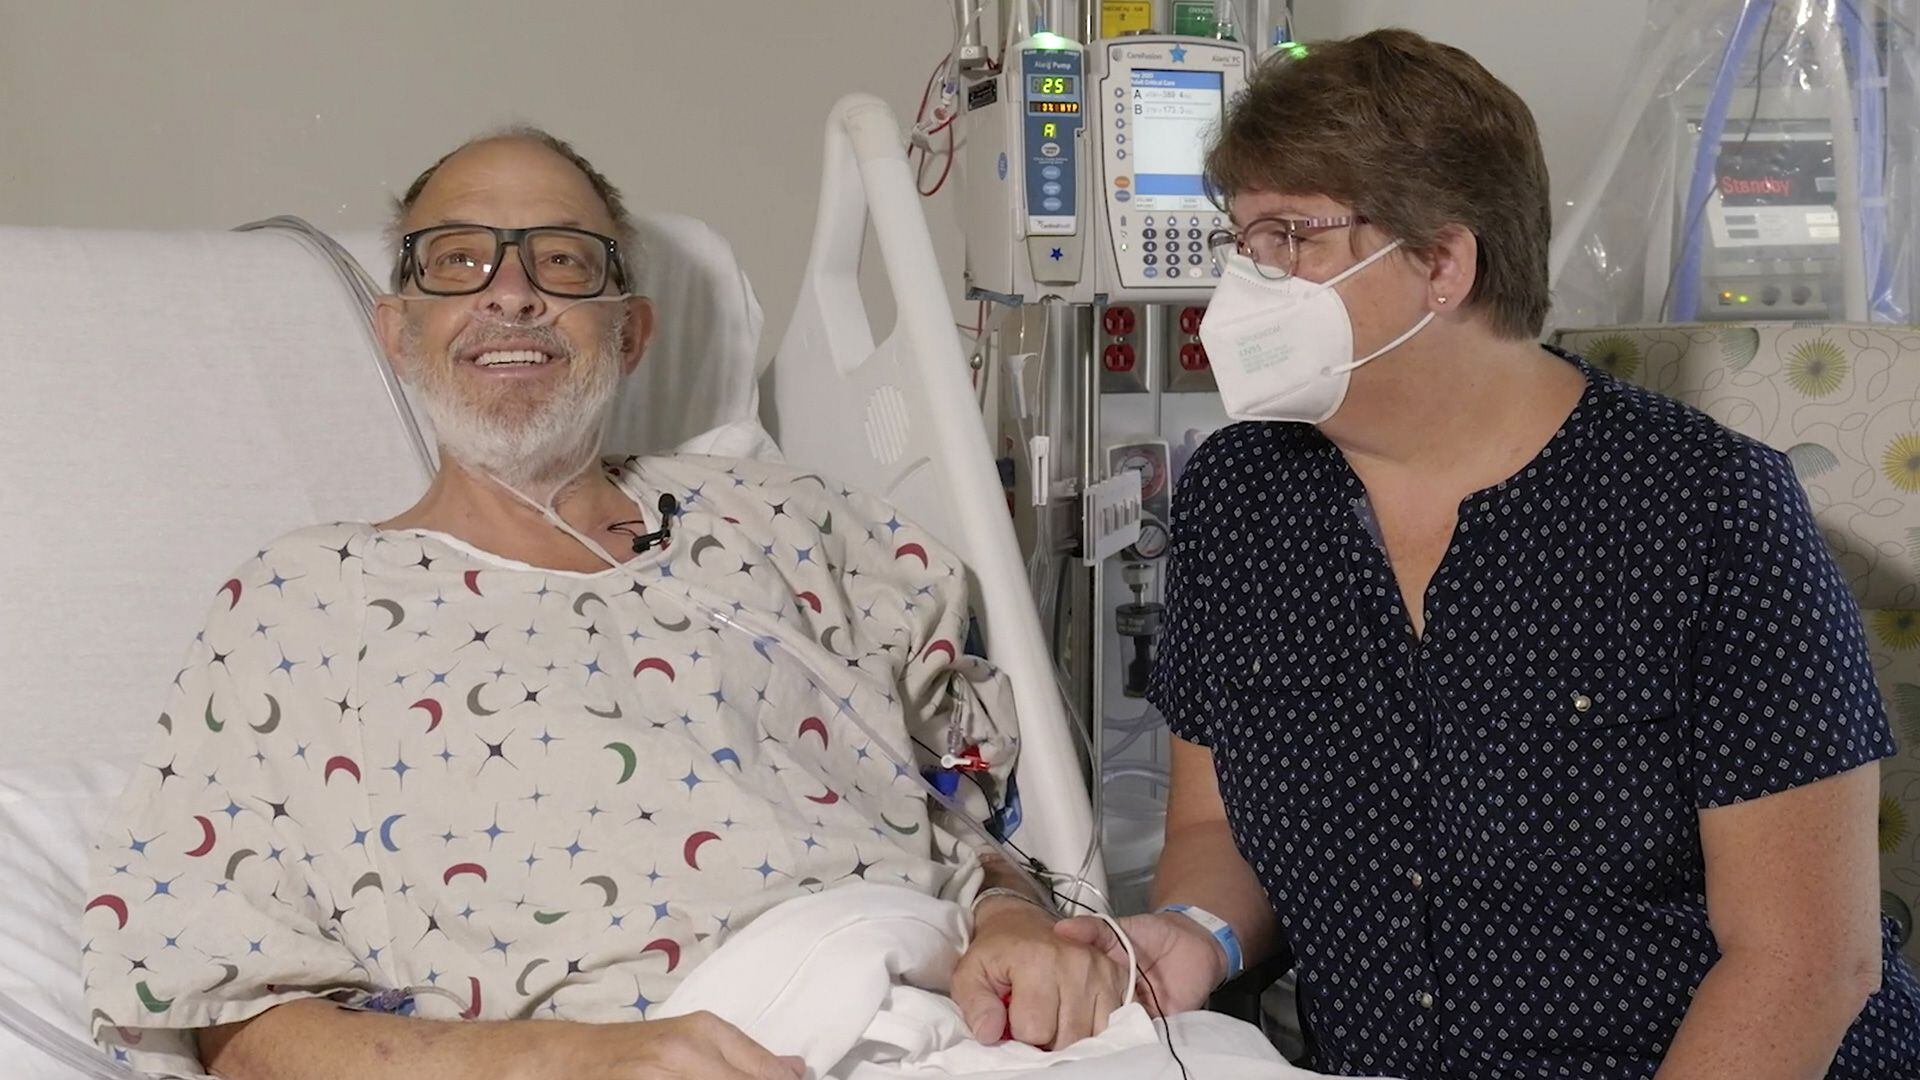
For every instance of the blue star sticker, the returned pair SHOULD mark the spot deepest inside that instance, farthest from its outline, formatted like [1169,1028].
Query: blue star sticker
[1056,255]
[1178,54]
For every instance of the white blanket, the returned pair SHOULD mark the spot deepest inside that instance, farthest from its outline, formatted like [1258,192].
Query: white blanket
[854,981]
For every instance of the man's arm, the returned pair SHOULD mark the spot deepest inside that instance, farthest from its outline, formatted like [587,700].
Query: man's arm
[318,1040]
[1018,977]
[1792,893]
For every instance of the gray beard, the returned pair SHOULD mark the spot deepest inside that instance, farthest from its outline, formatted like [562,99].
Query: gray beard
[536,454]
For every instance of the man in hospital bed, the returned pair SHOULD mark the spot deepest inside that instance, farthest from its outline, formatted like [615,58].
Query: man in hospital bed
[455,767]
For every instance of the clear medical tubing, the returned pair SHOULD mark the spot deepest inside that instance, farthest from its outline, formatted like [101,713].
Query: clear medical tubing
[768,635]
[1870,105]
[364,290]
[1846,164]
[87,1061]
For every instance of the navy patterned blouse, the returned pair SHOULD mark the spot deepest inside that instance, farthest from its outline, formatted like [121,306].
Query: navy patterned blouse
[1484,844]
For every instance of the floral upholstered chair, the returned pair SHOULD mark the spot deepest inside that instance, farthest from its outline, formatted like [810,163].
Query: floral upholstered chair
[1843,402]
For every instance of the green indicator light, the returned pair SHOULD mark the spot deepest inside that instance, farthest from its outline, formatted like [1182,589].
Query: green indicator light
[1051,42]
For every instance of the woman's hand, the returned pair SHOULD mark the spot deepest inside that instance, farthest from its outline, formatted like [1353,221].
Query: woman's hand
[1180,963]
[1019,976]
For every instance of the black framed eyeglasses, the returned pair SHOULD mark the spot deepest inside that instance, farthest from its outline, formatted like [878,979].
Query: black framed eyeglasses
[1273,243]
[461,259]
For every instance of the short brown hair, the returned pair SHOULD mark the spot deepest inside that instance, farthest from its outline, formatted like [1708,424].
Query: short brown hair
[623,227]
[1414,135]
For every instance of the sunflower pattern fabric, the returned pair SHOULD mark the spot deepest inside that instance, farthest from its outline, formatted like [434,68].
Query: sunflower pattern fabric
[1843,403]
[401,771]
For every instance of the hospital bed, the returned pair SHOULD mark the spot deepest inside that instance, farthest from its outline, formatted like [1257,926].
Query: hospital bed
[171,396]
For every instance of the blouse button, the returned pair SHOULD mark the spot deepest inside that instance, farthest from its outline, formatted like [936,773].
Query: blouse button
[1426,1000]
[1582,703]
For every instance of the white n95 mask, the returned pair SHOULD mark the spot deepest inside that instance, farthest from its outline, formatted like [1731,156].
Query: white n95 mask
[1283,349]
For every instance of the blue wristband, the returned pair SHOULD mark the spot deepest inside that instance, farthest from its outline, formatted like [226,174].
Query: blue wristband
[1221,930]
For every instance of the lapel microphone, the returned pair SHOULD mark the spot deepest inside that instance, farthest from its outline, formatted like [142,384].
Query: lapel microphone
[661,537]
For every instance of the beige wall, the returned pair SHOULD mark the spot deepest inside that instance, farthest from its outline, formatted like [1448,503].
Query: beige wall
[205,113]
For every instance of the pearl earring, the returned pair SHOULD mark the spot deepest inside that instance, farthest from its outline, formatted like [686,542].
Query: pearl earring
[1443,299]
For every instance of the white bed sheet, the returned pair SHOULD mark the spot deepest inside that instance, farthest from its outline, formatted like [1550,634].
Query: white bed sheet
[855,982]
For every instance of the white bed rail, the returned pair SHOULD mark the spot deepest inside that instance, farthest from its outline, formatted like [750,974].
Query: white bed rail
[899,419]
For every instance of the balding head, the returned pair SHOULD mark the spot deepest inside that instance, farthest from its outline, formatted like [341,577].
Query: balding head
[522,156]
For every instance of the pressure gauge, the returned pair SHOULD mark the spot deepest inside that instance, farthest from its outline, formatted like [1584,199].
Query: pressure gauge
[1150,467]
[1154,539]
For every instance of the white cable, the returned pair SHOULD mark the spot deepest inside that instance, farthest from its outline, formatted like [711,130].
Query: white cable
[1134,974]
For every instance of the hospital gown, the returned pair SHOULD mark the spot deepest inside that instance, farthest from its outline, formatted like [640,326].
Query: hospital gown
[401,770]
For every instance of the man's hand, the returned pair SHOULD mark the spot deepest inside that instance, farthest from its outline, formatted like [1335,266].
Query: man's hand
[1178,960]
[281,1044]
[1057,991]
[698,1046]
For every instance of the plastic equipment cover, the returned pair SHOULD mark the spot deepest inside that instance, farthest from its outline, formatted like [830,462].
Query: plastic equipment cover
[1673,227]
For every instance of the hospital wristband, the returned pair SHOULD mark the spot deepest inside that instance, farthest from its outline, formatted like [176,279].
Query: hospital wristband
[1221,930]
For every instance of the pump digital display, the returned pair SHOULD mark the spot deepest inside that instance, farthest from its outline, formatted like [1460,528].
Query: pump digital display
[1053,107]
[1173,113]
[1052,85]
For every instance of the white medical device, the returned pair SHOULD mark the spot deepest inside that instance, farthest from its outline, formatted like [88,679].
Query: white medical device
[1158,101]
[1024,175]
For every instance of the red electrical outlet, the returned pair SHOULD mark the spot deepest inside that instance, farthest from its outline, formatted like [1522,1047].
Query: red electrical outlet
[1122,353]
[1190,371]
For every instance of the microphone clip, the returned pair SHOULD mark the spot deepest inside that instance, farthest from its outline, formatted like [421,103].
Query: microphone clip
[661,537]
